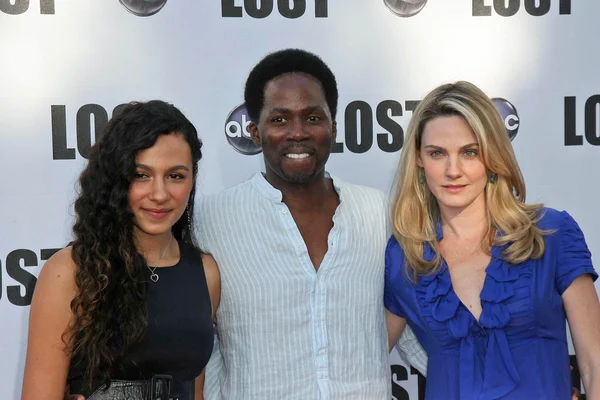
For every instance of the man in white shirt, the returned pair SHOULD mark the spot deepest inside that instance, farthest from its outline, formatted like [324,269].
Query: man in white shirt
[301,313]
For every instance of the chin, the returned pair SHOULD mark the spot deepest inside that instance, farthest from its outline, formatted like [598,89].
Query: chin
[455,206]
[154,230]
[455,203]
[299,178]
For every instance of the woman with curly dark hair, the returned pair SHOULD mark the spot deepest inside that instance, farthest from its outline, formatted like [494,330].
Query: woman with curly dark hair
[129,305]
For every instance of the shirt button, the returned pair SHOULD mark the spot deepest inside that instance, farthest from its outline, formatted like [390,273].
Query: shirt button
[322,352]
[284,211]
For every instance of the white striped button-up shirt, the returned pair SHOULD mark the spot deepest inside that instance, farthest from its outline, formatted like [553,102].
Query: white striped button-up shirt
[287,331]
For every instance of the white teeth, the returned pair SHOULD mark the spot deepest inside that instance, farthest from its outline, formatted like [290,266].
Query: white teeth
[296,156]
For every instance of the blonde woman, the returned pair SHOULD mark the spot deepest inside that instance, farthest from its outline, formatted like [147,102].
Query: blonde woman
[484,280]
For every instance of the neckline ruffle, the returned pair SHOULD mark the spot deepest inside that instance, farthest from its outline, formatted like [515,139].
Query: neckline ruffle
[494,375]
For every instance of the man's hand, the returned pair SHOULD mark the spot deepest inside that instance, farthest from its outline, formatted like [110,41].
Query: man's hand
[576,393]
[74,397]
[69,396]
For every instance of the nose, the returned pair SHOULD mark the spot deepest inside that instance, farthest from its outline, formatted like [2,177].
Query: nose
[297,130]
[159,192]
[453,167]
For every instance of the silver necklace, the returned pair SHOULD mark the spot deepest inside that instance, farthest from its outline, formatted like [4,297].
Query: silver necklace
[153,275]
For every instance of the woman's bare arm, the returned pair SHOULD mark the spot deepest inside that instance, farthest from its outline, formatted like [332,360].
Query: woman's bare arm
[47,361]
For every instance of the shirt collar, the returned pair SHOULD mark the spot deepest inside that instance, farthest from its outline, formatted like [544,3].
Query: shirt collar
[260,183]
[438,230]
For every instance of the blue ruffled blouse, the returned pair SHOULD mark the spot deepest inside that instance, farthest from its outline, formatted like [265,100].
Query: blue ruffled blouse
[518,348]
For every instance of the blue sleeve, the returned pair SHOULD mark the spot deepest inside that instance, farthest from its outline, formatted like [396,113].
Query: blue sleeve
[394,270]
[574,257]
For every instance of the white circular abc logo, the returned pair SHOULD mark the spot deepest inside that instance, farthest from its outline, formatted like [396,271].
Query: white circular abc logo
[237,132]
[509,115]
[143,8]
[405,8]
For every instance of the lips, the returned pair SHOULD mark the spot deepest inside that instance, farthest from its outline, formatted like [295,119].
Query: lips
[156,213]
[297,156]
[297,153]
[454,188]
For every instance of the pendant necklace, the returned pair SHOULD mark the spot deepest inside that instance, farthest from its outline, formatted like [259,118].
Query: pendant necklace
[153,275]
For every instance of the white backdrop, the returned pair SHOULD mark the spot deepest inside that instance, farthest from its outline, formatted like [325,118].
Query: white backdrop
[58,57]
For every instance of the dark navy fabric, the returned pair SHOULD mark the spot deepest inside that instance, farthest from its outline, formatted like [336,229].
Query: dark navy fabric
[180,334]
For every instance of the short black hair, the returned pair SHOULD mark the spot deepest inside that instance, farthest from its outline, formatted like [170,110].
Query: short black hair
[282,62]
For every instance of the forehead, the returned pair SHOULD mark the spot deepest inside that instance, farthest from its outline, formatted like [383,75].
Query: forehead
[294,89]
[171,148]
[448,131]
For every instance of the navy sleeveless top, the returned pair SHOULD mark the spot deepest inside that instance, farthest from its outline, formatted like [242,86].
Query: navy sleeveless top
[180,334]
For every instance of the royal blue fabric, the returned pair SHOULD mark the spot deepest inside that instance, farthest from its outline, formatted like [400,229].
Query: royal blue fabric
[518,348]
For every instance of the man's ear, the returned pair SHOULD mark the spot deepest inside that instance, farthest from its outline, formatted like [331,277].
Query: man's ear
[254,134]
[333,131]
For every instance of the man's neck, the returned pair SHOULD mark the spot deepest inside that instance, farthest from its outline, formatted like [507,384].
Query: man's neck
[306,196]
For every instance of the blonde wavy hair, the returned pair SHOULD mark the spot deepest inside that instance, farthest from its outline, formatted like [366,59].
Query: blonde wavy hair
[415,211]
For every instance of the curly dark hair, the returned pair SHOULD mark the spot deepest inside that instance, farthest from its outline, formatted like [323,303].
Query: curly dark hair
[110,314]
[282,62]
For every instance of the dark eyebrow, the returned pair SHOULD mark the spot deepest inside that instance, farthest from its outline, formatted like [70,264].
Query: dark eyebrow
[173,168]
[309,109]
[315,108]
[466,146]
[278,110]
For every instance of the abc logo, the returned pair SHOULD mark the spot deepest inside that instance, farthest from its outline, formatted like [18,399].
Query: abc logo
[509,115]
[237,132]
[143,8]
[405,8]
